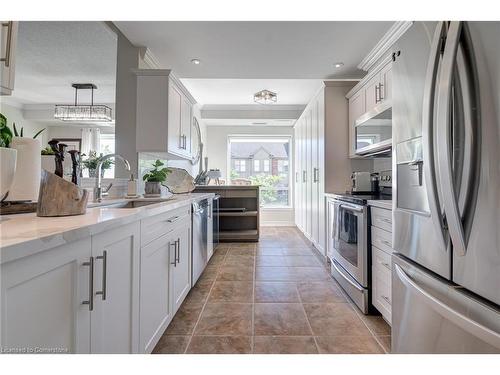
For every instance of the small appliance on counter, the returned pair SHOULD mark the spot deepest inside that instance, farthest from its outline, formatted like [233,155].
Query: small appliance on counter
[361,182]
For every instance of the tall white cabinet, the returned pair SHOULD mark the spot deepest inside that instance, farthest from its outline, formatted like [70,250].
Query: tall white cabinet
[8,43]
[322,162]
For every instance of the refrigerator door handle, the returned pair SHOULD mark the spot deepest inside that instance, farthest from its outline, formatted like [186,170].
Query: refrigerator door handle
[427,132]
[444,139]
[474,328]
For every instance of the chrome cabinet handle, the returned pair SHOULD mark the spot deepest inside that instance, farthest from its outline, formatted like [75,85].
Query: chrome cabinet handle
[444,135]
[377,94]
[178,250]
[428,150]
[170,244]
[304,176]
[6,59]
[90,301]
[316,175]
[380,89]
[296,176]
[173,219]
[104,258]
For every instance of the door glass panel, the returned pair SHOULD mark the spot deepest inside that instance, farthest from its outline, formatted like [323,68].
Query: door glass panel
[348,236]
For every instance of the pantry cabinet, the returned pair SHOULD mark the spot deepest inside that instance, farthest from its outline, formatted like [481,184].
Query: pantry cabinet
[164,114]
[115,316]
[8,44]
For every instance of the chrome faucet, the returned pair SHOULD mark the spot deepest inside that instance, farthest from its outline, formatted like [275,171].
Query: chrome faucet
[98,193]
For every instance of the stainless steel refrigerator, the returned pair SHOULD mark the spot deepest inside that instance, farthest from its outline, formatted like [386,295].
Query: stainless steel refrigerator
[446,162]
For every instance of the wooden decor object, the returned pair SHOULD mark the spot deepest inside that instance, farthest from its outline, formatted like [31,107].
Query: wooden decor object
[59,197]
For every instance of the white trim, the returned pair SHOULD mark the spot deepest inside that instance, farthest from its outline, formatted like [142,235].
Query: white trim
[149,58]
[374,71]
[393,34]
[277,224]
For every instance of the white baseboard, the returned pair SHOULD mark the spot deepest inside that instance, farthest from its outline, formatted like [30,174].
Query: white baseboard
[277,224]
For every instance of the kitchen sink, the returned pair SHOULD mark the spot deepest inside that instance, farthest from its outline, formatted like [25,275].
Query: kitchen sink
[134,204]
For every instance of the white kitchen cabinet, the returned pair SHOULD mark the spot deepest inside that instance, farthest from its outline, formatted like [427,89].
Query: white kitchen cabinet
[8,44]
[371,90]
[356,109]
[181,271]
[165,274]
[163,114]
[42,300]
[115,318]
[386,82]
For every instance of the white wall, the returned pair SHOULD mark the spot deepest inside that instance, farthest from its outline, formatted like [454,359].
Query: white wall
[15,114]
[217,148]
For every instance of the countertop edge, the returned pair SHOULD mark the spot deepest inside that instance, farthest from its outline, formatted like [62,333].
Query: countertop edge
[42,243]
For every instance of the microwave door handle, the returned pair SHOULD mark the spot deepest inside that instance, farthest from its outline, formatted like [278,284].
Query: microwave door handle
[427,133]
[444,139]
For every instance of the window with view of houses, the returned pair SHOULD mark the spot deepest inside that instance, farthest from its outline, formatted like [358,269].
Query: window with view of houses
[262,161]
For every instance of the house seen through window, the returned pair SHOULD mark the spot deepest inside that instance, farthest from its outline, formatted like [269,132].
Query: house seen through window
[262,161]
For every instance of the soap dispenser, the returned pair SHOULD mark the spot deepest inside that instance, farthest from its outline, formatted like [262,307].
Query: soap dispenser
[132,186]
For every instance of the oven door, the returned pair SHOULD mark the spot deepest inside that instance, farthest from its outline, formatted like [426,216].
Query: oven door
[350,240]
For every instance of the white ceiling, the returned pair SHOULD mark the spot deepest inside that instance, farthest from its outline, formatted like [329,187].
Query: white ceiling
[258,50]
[240,91]
[53,55]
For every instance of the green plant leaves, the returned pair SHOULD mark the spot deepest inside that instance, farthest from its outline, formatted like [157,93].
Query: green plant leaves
[5,132]
[37,134]
[157,175]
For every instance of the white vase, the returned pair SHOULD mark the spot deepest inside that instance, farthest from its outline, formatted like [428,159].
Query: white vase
[26,182]
[7,169]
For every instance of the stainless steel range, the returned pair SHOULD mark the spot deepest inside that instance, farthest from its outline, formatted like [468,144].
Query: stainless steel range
[349,253]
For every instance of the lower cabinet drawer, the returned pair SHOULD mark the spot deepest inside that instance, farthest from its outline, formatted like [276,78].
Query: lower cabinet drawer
[381,239]
[381,218]
[156,226]
[382,261]
[381,293]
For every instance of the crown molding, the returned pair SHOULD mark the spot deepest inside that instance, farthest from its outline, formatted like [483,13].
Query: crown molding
[383,45]
[149,58]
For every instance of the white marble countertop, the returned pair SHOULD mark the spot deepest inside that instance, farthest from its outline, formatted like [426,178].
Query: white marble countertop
[27,234]
[387,204]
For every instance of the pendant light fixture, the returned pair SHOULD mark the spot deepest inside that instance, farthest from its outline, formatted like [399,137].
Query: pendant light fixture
[83,112]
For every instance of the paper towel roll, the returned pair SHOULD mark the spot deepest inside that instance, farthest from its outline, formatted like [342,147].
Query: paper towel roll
[29,163]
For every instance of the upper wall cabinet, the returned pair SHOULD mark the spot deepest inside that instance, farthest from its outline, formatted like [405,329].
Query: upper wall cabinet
[8,41]
[374,89]
[164,114]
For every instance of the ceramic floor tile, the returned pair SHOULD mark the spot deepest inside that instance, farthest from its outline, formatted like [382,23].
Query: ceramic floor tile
[348,345]
[335,319]
[232,291]
[271,261]
[184,320]
[232,319]
[276,292]
[216,259]
[220,345]
[242,251]
[386,342]
[236,260]
[274,274]
[269,251]
[320,292]
[210,272]
[377,325]
[296,251]
[171,345]
[284,345]
[280,319]
[302,261]
[235,273]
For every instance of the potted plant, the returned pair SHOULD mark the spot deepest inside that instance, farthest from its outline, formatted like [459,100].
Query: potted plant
[26,180]
[154,178]
[91,164]
[7,157]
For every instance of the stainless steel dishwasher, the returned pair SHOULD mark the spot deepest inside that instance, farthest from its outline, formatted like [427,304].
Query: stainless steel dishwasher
[199,256]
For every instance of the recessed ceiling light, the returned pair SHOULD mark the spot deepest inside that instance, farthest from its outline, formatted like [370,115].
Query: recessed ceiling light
[338,64]
[196,61]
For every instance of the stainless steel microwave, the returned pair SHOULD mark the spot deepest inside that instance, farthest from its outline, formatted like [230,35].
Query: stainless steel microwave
[373,131]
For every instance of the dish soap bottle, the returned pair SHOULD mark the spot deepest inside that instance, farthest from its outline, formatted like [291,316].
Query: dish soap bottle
[132,186]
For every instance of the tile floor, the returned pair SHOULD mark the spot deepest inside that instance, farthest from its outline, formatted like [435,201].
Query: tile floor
[275,296]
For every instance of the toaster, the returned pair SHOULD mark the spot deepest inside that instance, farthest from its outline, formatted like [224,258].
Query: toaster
[361,182]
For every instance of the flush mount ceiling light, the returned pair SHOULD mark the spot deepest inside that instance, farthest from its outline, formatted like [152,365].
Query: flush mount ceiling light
[338,64]
[83,112]
[196,61]
[265,97]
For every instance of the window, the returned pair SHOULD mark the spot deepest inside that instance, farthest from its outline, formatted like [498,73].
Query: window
[240,165]
[271,158]
[256,165]
[266,165]
[107,146]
